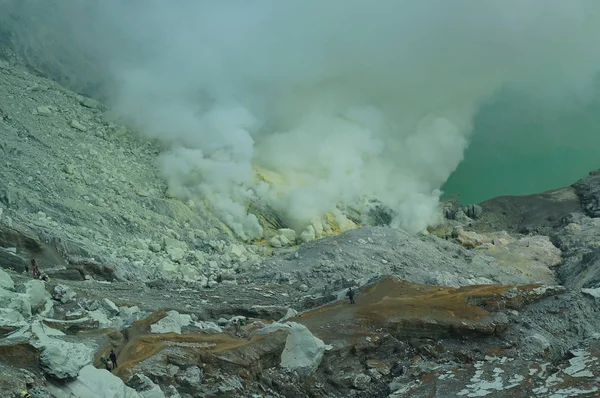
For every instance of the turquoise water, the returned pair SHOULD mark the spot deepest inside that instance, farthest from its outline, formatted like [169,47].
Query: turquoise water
[519,147]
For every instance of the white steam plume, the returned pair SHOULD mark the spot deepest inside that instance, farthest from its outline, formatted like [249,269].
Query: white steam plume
[345,99]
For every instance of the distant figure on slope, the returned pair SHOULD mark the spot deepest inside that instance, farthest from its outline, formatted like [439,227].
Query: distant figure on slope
[113,358]
[35,269]
[350,294]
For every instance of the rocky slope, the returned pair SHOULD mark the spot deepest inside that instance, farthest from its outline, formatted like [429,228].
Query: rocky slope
[502,299]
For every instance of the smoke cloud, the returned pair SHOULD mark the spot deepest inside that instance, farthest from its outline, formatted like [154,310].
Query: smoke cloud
[343,99]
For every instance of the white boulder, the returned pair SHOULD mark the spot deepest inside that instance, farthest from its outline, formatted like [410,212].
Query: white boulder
[39,298]
[172,323]
[96,383]
[303,351]
[146,387]
[209,327]
[63,360]
[308,234]
[59,359]
[110,307]
[288,233]
[11,318]
[63,293]
[592,292]
[100,317]
[275,241]
[6,281]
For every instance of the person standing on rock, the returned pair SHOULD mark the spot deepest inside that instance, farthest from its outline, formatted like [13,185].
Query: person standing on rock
[113,358]
[350,294]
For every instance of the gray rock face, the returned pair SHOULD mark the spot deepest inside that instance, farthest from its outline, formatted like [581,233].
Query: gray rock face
[588,191]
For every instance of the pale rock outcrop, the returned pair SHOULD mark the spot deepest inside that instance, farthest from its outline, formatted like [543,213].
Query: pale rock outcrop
[469,239]
[288,233]
[100,316]
[595,292]
[59,359]
[6,281]
[172,323]
[275,242]
[209,327]
[76,124]
[317,225]
[63,293]
[39,298]
[146,387]
[533,255]
[289,314]
[11,318]
[191,377]
[63,360]
[110,307]
[238,252]
[95,383]
[308,234]
[303,351]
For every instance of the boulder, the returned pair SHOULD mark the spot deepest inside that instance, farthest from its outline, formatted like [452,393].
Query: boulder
[175,253]
[209,327]
[592,292]
[308,234]
[289,314]
[469,239]
[191,378]
[6,281]
[170,243]
[110,307]
[43,110]
[76,124]
[142,384]
[100,317]
[472,211]
[63,360]
[63,293]
[172,323]
[303,351]
[96,383]
[361,381]
[59,359]
[288,233]
[588,191]
[16,301]
[38,297]
[536,344]
[11,318]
